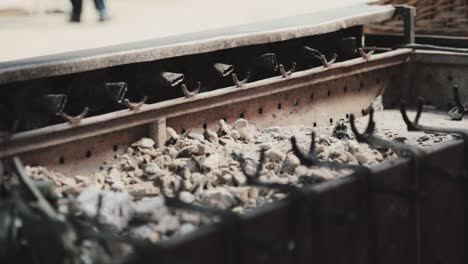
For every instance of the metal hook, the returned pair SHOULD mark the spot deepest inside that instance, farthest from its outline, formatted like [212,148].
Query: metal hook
[53,104]
[412,126]
[256,175]
[367,55]
[189,94]
[288,73]
[361,137]
[415,126]
[307,160]
[116,91]
[42,202]
[238,83]
[459,110]
[223,69]
[368,137]
[159,183]
[135,106]
[312,160]
[254,179]
[75,120]
[325,63]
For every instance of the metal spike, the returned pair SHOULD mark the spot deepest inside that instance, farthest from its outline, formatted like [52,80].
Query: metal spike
[75,120]
[188,93]
[135,106]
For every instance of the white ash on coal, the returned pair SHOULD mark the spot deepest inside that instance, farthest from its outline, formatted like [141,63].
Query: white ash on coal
[124,195]
[206,167]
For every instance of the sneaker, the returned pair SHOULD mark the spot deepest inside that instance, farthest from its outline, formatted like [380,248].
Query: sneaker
[103,16]
[75,19]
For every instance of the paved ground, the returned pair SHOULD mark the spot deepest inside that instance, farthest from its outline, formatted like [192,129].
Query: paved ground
[24,36]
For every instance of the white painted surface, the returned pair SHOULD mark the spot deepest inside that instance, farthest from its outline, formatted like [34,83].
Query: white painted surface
[136,20]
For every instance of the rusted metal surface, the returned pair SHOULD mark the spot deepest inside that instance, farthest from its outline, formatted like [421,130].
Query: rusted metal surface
[281,98]
[435,73]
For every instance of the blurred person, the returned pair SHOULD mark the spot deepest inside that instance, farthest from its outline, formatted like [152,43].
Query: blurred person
[77,6]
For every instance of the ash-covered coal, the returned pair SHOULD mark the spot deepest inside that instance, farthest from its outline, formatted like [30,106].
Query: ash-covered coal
[206,167]
[124,196]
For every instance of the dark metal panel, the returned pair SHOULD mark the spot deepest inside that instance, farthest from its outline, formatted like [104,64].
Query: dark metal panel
[339,222]
[392,217]
[391,40]
[268,233]
[444,211]
[208,245]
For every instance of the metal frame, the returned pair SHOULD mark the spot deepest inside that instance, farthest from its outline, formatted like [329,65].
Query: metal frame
[229,102]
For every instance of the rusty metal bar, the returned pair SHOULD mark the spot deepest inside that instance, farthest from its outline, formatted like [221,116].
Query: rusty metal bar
[98,125]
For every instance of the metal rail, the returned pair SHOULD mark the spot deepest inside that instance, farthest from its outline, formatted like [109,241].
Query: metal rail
[121,120]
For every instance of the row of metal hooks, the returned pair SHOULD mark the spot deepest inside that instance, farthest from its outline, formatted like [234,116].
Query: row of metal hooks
[115,92]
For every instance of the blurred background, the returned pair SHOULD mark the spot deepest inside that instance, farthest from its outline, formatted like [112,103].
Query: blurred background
[30,28]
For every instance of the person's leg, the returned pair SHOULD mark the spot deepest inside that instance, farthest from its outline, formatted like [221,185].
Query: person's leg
[101,8]
[76,11]
[100,5]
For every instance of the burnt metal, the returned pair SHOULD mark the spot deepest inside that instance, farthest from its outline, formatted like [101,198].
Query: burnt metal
[315,55]
[287,73]
[366,55]
[369,137]
[170,79]
[115,92]
[35,110]
[95,90]
[157,84]
[393,40]
[406,192]
[75,120]
[327,63]
[339,217]
[192,93]
[253,179]
[412,191]
[415,126]
[174,110]
[266,63]
[409,20]
[459,110]
[430,47]
[240,84]
[135,106]
[348,47]
[311,159]
[53,104]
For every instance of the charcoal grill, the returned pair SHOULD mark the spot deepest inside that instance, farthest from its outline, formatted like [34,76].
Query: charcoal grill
[401,211]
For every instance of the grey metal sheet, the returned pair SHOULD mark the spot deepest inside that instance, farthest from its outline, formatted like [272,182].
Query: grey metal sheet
[198,42]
